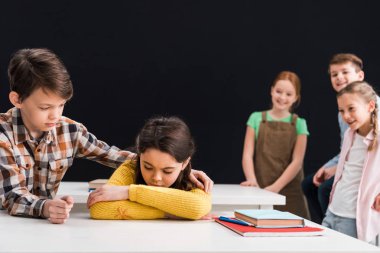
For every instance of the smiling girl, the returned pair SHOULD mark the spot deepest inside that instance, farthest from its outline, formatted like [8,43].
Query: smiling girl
[275,145]
[355,196]
[156,184]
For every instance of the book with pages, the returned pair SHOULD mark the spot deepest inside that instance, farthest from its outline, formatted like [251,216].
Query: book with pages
[269,218]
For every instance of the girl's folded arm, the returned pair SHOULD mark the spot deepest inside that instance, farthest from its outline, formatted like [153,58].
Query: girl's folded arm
[124,210]
[192,204]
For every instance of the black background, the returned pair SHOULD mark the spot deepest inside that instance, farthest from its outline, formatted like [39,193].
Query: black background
[209,62]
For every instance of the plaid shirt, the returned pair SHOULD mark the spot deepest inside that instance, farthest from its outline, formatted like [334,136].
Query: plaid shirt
[31,171]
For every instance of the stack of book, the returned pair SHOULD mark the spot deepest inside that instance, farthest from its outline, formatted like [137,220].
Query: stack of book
[268,223]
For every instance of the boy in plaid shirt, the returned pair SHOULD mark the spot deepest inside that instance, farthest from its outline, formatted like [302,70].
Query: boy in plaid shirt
[38,144]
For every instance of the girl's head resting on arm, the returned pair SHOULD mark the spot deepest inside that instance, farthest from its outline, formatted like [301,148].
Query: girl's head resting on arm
[286,91]
[358,107]
[164,149]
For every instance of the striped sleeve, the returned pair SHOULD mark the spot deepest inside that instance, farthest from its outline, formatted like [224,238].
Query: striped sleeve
[88,146]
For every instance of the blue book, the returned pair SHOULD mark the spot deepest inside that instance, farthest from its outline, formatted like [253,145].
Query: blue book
[269,218]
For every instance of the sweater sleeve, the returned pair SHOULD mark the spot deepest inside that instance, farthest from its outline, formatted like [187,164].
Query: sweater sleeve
[192,204]
[149,202]
[124,210]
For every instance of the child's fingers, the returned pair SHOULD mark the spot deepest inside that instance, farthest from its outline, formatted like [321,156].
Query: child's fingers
[245,183]
[57,220]
[194,176]
[209,216]
[376,204]
[317,179]
[205,181]
[208,185]
[69,200]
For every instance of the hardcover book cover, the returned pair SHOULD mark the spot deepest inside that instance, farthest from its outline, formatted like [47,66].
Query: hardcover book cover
[250,231]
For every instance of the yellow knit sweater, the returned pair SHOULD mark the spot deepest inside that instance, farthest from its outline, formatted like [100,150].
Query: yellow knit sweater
[150,202]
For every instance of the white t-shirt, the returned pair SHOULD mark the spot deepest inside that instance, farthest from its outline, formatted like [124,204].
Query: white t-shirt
[346,192]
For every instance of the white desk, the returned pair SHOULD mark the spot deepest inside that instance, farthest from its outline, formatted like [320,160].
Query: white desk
[228,197]
[225,197]
[83,235]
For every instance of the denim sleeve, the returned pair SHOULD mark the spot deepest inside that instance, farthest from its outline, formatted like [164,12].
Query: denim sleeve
[342,127]
[332,162]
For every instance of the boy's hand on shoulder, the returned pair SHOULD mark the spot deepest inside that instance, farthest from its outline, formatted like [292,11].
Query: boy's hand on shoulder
[58,210]
[127,154]
[201,180]
[376,204]
[108,193]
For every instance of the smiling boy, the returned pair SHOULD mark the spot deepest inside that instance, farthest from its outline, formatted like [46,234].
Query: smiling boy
[343,69]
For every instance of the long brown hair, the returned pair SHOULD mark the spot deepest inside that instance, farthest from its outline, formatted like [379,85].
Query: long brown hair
[170,135]
[366,92]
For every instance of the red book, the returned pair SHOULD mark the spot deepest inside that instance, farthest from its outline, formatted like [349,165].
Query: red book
[253,231]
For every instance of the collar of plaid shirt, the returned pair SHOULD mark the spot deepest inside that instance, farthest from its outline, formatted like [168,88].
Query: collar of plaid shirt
[21,133]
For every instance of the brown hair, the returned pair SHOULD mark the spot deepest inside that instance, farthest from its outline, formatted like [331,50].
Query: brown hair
[365,91]
[30,69]
[172,136]
[347,58]
[295,80]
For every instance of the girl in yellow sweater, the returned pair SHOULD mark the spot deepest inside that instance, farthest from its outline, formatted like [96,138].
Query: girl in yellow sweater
[156,183]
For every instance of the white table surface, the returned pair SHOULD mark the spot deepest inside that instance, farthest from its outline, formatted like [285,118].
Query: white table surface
[225,197]
[83,235]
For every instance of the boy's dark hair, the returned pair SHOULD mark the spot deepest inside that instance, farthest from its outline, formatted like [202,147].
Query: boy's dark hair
[172,136]
[346,57]
[30,69]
